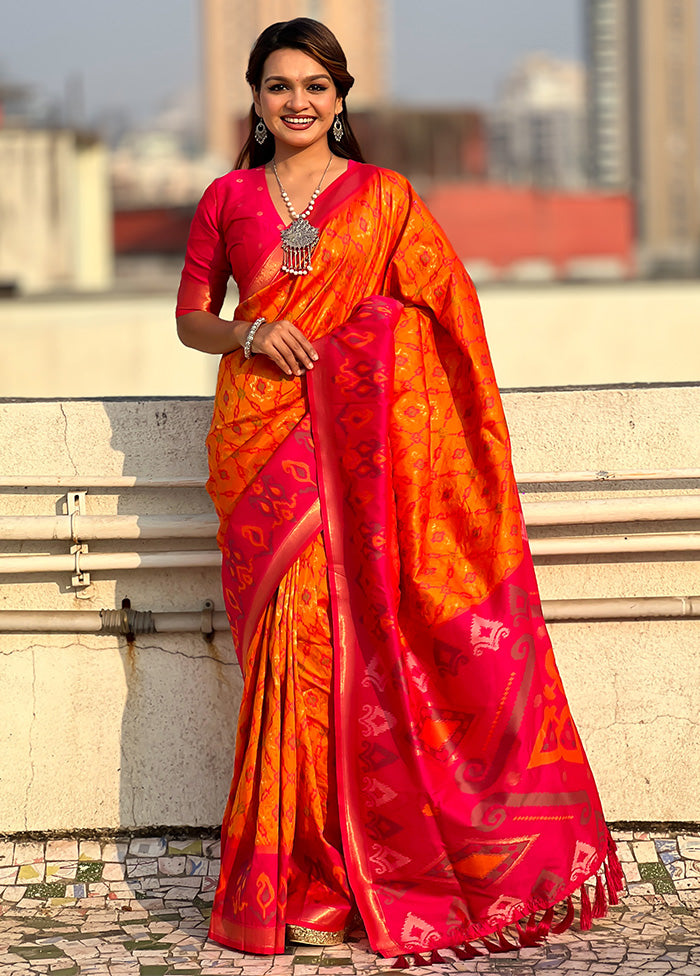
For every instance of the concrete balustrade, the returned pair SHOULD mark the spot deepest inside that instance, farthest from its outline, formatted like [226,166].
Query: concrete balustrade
[100,733]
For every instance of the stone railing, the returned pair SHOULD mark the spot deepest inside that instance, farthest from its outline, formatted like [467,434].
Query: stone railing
[104,731]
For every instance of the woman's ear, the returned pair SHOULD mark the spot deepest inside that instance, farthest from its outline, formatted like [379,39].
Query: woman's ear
[256,99]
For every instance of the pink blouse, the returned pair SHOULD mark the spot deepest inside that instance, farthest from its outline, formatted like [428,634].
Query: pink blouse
[234,229]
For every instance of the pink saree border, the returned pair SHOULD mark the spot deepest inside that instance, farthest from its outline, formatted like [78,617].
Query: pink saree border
[347,656]
[275,519]
[283,554]
[392,784]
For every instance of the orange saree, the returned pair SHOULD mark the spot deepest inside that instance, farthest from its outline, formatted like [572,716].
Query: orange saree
[405,748]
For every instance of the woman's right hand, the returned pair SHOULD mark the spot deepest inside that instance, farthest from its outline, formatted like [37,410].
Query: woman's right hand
[285,345]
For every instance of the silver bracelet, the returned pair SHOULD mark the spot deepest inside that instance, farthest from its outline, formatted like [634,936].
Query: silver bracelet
[248,344]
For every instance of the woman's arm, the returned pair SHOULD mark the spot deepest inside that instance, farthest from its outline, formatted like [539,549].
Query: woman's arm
[202,292]
[280,341]
[208,333]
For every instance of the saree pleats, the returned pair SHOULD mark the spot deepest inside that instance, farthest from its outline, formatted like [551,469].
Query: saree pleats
[281,849]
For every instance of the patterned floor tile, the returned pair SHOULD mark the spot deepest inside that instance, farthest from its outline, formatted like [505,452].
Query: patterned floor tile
[138,907]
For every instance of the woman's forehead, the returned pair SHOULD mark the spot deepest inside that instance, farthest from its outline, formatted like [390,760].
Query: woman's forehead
[292,64]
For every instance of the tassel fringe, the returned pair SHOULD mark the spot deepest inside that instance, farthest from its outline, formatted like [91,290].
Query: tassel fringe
[615,868]
[465,952]
[586,913]
[612,890]
[609,883]
[565,923]
[600,905]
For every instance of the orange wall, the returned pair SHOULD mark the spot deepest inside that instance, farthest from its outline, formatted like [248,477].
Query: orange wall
[504,224]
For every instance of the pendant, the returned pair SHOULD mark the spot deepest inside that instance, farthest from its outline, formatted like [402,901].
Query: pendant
[298,243]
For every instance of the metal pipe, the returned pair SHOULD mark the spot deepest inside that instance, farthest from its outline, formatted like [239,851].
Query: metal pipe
[97,481]
[91,527]
[563,477]
[601,544]
[205,621]
[536,478]
[622,608]
[211,558]
[110,621]
[635,508]
[96,561]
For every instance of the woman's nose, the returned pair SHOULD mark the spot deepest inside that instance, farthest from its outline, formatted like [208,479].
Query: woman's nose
[297,98]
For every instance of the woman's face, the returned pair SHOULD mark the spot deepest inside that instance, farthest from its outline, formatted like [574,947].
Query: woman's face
[297,99]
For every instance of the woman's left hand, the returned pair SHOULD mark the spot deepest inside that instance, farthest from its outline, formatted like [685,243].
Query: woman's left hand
[285,345]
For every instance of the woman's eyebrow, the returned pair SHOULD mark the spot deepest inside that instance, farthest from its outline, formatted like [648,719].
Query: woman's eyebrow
[310,78]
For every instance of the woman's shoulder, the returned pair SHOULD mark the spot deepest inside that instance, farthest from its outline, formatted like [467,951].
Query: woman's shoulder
[394,188]
[385,175]
[238,180]
[231,188]
[392,185]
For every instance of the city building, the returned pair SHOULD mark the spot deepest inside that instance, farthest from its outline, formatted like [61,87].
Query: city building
[229,29]
[56,228]
[151,169]
[537,127]
[643,120]
[424,144]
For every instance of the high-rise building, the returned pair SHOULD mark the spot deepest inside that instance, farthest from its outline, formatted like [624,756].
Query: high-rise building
[643,120]
[537,126]
[230,27]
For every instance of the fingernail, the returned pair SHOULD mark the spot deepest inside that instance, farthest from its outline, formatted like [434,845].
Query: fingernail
[314,355]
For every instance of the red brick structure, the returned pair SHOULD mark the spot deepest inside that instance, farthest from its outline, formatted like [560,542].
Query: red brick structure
[152,230]
[504,225]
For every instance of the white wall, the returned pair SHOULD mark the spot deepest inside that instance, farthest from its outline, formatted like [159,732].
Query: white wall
[553,335]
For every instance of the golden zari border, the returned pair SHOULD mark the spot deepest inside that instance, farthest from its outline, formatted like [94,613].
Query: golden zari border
[303,936]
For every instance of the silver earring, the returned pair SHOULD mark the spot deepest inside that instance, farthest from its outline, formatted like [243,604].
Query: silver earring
[260,132]
[338,130]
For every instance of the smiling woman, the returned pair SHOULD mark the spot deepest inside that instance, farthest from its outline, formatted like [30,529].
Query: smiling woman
[405,753]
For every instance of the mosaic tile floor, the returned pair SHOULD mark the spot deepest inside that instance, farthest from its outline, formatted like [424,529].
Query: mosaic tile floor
[139,907]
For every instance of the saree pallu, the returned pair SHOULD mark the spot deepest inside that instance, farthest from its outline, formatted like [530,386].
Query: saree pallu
[405,745]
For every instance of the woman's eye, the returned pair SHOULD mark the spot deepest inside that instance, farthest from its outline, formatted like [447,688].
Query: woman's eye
[317,88]
[275,88]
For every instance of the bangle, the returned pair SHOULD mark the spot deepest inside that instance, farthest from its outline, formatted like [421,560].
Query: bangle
[248,344]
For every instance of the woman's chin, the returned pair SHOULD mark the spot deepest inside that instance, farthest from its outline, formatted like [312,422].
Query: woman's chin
[298,139]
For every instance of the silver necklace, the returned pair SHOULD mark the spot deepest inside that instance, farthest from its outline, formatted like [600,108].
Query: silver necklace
[301,237]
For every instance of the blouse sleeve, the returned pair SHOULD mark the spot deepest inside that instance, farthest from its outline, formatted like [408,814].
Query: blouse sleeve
[207,269]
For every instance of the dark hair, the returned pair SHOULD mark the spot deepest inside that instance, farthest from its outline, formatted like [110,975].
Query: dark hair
[316,40]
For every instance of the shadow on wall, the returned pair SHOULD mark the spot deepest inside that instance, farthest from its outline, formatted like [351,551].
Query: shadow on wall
[182,690]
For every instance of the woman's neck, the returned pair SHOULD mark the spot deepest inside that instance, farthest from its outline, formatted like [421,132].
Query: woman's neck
[306,160]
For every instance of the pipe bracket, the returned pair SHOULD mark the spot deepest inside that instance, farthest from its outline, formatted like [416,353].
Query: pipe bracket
[207,623]
[75,507]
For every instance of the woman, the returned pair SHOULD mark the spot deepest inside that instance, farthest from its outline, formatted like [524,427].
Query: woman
[404,747]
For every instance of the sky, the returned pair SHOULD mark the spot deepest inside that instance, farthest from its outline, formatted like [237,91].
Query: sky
[134,55]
